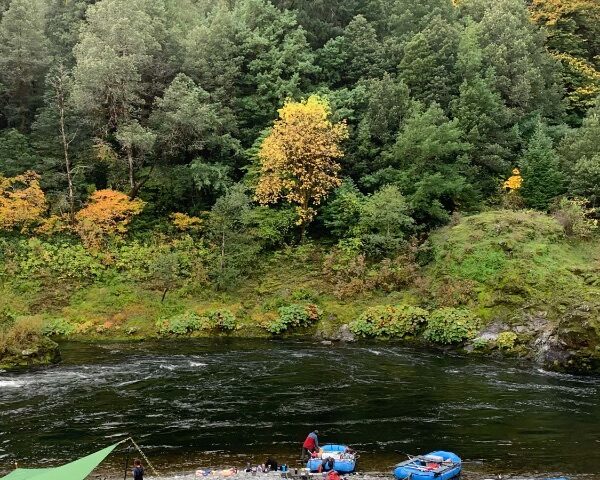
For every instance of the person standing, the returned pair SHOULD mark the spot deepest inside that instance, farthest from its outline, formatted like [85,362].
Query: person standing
[311,444]
[138,470]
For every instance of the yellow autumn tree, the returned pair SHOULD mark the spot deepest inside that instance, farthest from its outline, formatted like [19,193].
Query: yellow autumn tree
[107,214]
[514,182]
[22,201]
[298,157]
[512,197]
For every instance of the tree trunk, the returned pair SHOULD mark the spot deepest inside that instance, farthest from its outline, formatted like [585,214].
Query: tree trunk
[304,223]
[60,100]
[130,164]
[302,232]
[140,183]
[222,265]
[164,295]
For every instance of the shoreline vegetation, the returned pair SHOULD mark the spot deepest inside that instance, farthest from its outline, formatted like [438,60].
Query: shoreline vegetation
[427,172]
[499,282]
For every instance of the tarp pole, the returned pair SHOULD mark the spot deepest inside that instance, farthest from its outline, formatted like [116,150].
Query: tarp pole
[126,465]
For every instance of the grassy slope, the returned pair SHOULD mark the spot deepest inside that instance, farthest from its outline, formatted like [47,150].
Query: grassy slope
[516,268]
[516,260]
[506,266]
[124,309]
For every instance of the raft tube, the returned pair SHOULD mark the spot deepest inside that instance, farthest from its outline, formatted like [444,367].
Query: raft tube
[422,467]
[342,462]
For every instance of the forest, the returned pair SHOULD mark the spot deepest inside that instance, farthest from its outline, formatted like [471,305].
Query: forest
[193,150]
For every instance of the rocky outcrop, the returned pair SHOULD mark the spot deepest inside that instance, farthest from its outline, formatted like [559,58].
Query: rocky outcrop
[342,334]
[37,351]
[571,344]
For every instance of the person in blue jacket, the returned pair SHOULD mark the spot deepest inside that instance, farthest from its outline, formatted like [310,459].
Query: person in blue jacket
[138,470]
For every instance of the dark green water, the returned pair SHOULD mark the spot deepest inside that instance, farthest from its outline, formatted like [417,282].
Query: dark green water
[201,403]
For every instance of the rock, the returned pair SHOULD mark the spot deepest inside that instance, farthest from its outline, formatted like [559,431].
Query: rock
[30,352]
[342,334]
[486,337]
[345,334]
[326,342]
[38,350]
[490,332]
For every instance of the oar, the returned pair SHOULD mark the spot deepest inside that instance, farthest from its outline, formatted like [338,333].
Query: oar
[407,454]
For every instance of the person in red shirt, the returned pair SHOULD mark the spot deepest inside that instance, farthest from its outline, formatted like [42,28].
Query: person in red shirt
[310,445]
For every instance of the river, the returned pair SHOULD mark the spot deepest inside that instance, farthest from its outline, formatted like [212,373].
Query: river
[204,403]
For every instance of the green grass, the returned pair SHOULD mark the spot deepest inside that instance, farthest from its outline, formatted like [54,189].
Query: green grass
[517,261]
[497,264]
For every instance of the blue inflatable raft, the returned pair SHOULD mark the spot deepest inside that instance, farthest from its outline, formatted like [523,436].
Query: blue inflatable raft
[333,457]
[438,465]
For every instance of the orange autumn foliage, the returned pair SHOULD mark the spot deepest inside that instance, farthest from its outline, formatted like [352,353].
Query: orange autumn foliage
[297,158]
[107,214]
[22,201]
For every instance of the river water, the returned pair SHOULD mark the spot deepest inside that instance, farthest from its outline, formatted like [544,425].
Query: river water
[193,404]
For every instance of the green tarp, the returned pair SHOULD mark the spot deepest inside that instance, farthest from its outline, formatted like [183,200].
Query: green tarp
[77,470]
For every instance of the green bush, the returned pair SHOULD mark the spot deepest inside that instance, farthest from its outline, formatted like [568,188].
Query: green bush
[62,261]
[451,325]
[294,316]
[506,340]
[389,321]
[57,326]
[183,324]
[222,320]
[7,317]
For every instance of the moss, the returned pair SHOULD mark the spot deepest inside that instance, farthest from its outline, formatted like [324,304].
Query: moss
[23,344]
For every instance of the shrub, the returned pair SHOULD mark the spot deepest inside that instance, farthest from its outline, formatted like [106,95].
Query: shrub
[294,316]
[222,320]
[7,317]
[350,273]
[451,325]
[57,326]
[183,324]
[506,340]
[389,321]
[63,261]
[346,270]
[575,218]
[23,332]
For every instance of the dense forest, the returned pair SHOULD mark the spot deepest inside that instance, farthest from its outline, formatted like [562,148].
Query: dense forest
[186,146]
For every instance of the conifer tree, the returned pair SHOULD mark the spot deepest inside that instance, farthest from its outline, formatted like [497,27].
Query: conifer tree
[23,60]
[542,179]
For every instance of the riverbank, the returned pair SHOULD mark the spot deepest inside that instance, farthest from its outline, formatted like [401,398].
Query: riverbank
[500,283]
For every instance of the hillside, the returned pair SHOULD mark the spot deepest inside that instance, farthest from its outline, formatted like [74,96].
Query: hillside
[507,282]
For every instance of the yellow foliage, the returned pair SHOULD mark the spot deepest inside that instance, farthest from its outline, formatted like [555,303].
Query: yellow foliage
[582,76]
[551,12]
[107,214]
[22,201]
[186,223]
[298,156]
[514,182]
[585,77]
[53,224]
